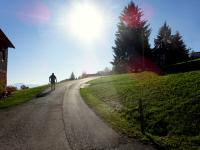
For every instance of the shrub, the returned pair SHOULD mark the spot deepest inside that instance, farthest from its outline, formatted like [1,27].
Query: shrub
[187,66]
[10,89]
[23,87]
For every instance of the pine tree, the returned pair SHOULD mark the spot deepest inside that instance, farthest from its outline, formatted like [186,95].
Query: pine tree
[163,45]
[180,52]
[169,49]
[72,77]
[131,42]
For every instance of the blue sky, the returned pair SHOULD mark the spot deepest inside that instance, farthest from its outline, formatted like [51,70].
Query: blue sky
[44,45]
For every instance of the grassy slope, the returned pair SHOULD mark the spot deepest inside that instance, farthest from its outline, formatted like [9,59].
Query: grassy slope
[21,96]
[171,103]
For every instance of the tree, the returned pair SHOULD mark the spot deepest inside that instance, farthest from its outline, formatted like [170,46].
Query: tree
[23,87]
[169,49]
[179,51]
[163,44]
[105,72]
[131,42]
[84,74]
[72,77]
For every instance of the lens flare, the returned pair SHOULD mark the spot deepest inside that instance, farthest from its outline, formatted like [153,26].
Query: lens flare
[35,13]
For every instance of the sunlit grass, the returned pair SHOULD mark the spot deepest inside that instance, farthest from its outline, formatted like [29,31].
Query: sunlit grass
[171,105]
[21,96]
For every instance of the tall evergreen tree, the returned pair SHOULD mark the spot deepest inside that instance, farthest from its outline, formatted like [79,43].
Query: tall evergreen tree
[180,52]
[72,77]
[169,49]
[131,42]
[163,44]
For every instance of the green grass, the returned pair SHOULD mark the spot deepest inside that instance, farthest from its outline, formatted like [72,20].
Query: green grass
[21,96]
[171,106]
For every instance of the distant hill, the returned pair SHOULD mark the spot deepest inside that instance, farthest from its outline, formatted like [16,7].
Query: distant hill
[18,85]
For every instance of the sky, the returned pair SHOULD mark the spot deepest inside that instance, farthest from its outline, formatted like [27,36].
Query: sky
[48,39]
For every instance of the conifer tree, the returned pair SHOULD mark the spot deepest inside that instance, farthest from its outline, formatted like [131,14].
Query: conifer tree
[169,49]
[72,77]
[131,42]
[180,52]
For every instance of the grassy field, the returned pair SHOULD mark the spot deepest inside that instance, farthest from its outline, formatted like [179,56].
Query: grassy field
[171,106]
[21,96]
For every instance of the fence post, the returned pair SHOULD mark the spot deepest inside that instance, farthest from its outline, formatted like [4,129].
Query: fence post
[141,112]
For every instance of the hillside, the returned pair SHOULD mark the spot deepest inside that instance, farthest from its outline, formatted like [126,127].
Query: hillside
[171,106]
[21,96]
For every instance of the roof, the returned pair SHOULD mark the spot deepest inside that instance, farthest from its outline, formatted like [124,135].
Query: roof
[4,41]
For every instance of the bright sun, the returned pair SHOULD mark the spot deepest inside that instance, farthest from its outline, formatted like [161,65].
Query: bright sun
[85,22]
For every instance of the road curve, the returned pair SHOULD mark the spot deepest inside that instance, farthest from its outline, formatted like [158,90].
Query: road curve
[86,131]
[59,121]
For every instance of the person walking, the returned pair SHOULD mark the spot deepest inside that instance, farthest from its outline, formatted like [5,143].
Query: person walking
[53,81]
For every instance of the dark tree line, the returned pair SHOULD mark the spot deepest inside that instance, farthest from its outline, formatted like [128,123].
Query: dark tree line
[169,49]
[132,52]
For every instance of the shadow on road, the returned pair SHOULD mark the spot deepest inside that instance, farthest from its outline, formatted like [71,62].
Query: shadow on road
[44,93]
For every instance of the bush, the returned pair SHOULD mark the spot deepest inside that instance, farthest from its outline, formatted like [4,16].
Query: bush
[23,87]
[187,66]
[10,89]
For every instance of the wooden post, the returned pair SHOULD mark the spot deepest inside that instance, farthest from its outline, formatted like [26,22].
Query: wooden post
[141,112]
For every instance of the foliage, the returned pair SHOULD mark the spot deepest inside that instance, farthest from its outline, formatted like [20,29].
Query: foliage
[169,49]
[132,52]
[21,96]
[131,41]
[171,105]
[23,87]
[72,76]
[163,45]
[183,66]
[10,89]
[179,51]
[105,72]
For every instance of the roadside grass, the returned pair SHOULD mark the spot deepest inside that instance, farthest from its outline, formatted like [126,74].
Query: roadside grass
[21,96]
[171,106]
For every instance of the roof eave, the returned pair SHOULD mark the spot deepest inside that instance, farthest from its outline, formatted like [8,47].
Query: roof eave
[10,45]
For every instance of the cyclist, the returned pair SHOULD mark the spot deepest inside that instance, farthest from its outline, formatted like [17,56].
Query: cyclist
[53,81]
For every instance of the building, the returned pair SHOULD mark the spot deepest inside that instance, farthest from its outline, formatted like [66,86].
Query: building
[195,55]
[5,43]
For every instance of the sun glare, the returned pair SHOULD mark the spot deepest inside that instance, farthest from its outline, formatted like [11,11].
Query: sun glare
[85,22]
